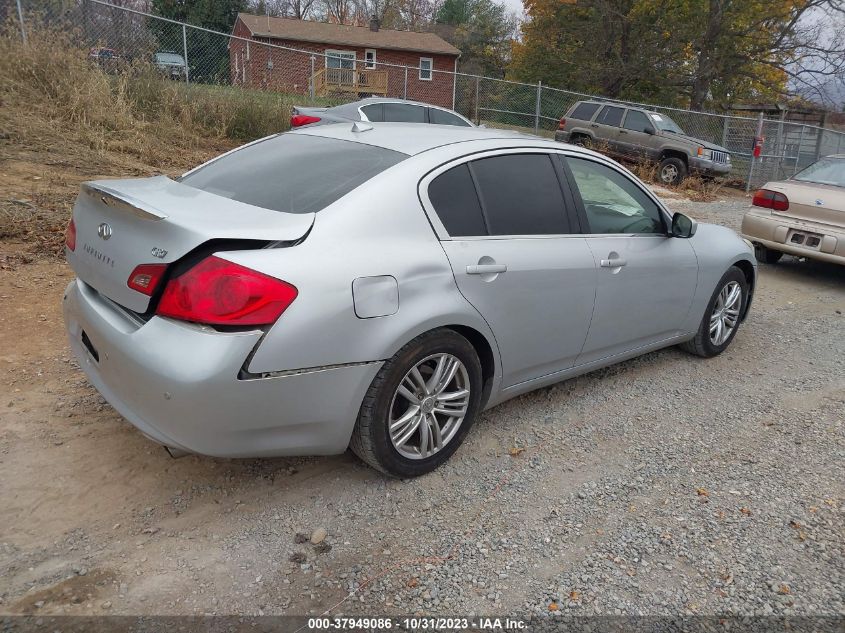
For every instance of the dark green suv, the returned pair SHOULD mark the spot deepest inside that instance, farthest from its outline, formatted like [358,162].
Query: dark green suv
[637,134]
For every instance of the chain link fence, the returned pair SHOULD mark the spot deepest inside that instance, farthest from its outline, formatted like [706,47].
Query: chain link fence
[250,66]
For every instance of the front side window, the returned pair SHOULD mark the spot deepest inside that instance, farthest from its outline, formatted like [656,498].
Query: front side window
[293,173]
[404,113]
[426,64]
[612,202]
[442,117]
[637,121]
[611,115]
[584,111]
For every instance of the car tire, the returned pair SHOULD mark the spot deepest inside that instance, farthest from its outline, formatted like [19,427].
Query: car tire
[766,255]
[671,171]
[582,140]
[385,405]
[704,343]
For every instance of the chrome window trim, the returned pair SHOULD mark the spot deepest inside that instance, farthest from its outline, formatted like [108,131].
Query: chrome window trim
[434,219]
[443,234]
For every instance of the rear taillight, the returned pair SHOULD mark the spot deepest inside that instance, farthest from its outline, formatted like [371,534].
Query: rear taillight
[298,120]
[145,278]
[219,292]
[562,123]
[769,199]
[70,235]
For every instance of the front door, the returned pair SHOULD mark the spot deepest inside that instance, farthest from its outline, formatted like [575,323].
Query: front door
[635,141]
[517,259]
[646,279]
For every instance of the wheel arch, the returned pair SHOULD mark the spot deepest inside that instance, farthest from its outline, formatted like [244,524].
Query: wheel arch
[674,153]
[747,269]
[485,356]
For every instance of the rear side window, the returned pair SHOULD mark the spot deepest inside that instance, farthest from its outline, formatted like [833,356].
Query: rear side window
[584,111]
[374,112]
[611,115]
[293,173]
[454,199]
[521,195]
[441,117]
[403,113]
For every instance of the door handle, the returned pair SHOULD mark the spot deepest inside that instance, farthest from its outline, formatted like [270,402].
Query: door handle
[594,124]
[622,132]
[613,263]
[486,269]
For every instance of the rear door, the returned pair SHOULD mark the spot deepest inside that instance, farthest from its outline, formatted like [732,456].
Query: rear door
[646,279]
[508,230]
[606,127]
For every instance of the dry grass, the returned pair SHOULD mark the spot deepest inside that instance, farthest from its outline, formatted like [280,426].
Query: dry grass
[64,121]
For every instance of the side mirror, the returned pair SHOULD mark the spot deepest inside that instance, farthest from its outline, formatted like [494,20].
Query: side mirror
[683,226]
[649,130]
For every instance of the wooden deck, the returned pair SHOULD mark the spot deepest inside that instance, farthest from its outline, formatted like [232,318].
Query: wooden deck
[330,81]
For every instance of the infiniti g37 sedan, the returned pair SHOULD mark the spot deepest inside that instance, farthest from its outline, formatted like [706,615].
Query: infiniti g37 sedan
[377,287]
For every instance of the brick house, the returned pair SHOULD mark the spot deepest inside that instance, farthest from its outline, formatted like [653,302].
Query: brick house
[340,59]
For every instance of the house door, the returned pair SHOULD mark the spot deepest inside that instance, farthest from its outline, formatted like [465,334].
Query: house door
[340,67]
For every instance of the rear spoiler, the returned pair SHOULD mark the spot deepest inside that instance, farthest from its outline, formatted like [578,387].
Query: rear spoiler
[122,201]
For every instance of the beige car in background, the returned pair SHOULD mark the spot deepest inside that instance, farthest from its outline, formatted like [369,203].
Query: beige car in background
[802,216]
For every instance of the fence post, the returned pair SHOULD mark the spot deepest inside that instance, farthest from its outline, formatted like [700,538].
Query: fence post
[185,51]
[405,89]
[757,134]
[798,153]
[537,108]
[725,127]
[20,18]
[311,80]
[477,120]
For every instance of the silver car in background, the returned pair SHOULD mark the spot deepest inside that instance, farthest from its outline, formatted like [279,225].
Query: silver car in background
[377,287]
[378,110]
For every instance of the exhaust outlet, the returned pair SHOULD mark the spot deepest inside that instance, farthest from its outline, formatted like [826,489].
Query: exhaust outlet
[176,453]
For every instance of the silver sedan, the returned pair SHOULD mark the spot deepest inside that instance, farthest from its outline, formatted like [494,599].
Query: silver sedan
[376,286]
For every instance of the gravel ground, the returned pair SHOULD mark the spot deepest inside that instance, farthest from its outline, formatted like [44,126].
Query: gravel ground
[665,485]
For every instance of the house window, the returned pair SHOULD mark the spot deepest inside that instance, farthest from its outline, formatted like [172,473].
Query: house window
[370,58]
[425,68]
[340,59]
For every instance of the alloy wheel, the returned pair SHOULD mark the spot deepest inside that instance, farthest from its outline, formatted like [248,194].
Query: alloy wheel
[429,406]
[725,315]
[669,173]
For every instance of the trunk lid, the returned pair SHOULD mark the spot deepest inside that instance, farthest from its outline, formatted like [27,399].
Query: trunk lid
[816,202]
[123,223]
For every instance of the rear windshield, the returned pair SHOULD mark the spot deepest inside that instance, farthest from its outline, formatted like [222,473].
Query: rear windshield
[294,173]
[827,171]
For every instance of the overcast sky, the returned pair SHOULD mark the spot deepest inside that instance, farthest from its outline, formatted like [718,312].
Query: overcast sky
[514,5]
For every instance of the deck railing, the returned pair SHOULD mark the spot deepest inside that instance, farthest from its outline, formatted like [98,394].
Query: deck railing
[349,80]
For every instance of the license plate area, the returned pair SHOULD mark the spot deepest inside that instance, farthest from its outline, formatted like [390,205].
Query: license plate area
[86,342]
[802,238]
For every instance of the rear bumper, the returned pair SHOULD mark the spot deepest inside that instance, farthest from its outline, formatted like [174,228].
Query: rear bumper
[562,136]
[775,231]
[178,384]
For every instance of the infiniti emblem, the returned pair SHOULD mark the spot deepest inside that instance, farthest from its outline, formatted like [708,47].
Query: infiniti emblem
[819,202]
[104,231]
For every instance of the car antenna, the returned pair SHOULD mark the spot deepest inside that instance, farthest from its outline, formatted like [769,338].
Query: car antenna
[361,126]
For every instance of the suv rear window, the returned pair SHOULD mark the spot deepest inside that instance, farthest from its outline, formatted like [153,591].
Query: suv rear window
[584,111]
[293,173]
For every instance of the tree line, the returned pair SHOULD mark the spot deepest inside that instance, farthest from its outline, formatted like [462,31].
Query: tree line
[701,54]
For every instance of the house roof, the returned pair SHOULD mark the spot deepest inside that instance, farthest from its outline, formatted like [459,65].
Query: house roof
[325,33]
